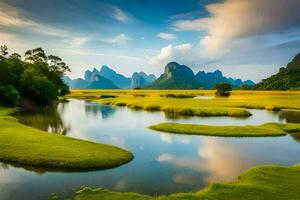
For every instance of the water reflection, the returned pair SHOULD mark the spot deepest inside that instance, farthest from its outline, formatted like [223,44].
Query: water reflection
[46,119]
[94,109]
[164,163]
[290,116]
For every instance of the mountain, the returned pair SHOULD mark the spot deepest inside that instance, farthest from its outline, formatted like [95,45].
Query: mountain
[141,79]
[107,78]
[76,83]
[287,78]
[118,79]
[100,82]
[210,79]
[176,76]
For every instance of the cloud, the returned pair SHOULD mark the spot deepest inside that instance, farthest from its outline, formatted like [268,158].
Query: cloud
[164,157]
[180,53]
[6,36]
[9,17]
[166,36]
[120,15]
[239,19]
[118,39]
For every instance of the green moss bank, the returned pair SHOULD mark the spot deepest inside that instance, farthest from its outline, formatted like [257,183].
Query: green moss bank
[268,129]
[25,145]
[259,183]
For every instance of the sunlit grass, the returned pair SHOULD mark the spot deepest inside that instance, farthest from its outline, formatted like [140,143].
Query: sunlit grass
[236,105]
[21,144]
[268,129]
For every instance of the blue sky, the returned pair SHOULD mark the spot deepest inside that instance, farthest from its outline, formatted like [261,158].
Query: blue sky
[248,39]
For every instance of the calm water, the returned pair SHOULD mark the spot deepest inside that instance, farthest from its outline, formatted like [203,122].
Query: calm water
[164,163]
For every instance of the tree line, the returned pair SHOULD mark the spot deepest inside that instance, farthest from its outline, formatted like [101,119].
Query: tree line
[35,78]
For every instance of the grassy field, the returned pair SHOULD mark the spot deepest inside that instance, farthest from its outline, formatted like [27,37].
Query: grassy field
[176,101]
[21,144]
[259,183]
[264,130]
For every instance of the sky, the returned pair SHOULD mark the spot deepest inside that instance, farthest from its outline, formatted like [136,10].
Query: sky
[247,39]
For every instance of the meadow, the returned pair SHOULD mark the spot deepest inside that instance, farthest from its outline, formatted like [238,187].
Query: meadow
[31,147]
[157,100]
[264,130]
[24,145]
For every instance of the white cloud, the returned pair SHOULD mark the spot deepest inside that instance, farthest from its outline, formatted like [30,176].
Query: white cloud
[180,53]
[11,17]
[164,157]
[118,39]
[238,19]
[166,36]
[120,15]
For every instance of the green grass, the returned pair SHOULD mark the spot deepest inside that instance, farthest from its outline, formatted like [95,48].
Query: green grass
[268,129]
[236,105]
[259,183]
[21,144]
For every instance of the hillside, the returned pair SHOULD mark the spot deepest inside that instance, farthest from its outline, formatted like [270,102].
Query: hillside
[141,79]
[208,80]
[101,83]
[176,76]
[287,78]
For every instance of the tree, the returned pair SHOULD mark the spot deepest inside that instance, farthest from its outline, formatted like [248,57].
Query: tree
[37,79]
[35,55]
[15,56]
[9,96]
[223,89]
[56,64]
[3,52]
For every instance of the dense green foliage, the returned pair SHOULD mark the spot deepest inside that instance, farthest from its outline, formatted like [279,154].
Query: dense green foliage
[9,96]
[223,89]
[259,183]
[268,129]
[37,78]
[21,144]
[286,79]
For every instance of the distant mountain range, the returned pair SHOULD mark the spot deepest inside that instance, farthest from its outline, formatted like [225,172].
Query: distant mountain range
[178,76]
[107,78]
[287,78]
[175,76]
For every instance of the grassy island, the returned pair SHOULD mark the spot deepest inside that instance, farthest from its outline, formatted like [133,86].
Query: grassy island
[21,144]
[264,130]
[259,183]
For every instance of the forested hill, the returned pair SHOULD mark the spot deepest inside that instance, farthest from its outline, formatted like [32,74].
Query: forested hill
[288,78]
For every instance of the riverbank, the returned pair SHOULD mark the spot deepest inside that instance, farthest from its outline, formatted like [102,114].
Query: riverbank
[21,144]
[259,183]
[264,130]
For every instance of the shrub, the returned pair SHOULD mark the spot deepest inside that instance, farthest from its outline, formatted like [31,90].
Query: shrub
[223,89]
[9,96]
[106,96]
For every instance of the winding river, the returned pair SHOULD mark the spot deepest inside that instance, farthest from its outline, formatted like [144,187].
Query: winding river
[164,163]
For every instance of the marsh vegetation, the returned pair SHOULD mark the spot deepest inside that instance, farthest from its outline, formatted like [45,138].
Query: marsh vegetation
[158,155]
